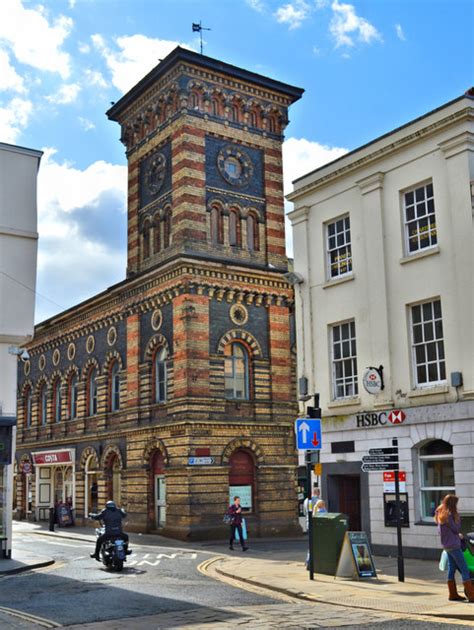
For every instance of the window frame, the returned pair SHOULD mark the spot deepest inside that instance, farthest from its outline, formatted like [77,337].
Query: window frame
[233,359]
[73,396]
[57,400]
[43,405]
[342,359]
[28,409]
[342,217]
[92,394]
[423,488]
[413,346]
[160,384]
[114,385]
[416,219]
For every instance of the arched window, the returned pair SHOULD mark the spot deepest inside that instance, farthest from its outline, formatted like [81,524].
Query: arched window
[216,225]
[114,386]
[167,228]
[235,113]
[242,479]
[253,243]
[57,400]
[215,107]
[234,228]
[146,240]
[72,396]
[271,124]
[160,375]
[253,118]
[236,372]
[194,100]
[114,480]
[92,392]
[43,404]
[28,407]
[436,476]
[157,236]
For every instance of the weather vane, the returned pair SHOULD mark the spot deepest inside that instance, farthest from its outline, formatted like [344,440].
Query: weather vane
[199,28]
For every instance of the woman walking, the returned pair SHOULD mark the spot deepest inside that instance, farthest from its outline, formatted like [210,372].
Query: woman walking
[449,528]
[235,513]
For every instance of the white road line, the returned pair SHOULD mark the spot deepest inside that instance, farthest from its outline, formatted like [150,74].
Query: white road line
[58,544]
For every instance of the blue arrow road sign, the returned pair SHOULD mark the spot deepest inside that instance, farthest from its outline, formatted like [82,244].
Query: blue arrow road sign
[308,434]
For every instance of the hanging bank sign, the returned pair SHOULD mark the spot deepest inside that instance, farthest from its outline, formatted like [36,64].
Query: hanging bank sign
[384,418]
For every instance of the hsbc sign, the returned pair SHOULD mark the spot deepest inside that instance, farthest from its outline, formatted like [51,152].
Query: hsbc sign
[384,418]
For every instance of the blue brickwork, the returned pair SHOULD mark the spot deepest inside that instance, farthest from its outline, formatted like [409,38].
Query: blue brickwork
[147,332]
[145,196]
[220,323]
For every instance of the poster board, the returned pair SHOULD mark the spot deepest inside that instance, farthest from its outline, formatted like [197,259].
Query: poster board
[355,560]
[389,509]
[245,494]
[64,515]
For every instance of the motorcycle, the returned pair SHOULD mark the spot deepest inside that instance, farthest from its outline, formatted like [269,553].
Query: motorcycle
[113,551]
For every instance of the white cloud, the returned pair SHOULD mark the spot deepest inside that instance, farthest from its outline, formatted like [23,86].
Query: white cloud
[84,48]
[293,13]
[71,4]
[66,94]
[256,5]
[14,117]
[10,80]
[86,124]
[400,33]
[345,25]
[82,228]
[33,39]
[301,156]
[93,77]
[137,55]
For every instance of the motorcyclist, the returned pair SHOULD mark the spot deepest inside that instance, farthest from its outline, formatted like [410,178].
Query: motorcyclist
[112,517]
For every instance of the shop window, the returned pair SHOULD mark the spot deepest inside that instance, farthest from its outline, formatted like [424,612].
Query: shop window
[43,404]
[429,364]
[436,476]
[339,248]
[252,233]
[236,372]
[114,387]
[57,400]
[73,396]
[242,479]
[160,374]
[344,361]
[420,219]
[92,392]
[28,407]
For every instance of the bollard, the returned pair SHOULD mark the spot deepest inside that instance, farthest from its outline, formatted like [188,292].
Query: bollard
[51,519]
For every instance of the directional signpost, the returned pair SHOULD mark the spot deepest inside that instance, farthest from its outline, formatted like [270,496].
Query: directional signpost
[384,459]
[308,438]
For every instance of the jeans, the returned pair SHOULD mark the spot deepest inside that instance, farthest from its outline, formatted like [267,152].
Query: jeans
[234,527]
[457,561]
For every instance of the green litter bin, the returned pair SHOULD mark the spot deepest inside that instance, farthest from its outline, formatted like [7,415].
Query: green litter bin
[327,537]
[467,527]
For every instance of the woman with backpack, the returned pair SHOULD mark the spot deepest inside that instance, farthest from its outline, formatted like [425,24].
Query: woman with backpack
[234,514]
[449,528]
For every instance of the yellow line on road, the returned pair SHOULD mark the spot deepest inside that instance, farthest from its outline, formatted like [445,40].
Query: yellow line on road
[40,621]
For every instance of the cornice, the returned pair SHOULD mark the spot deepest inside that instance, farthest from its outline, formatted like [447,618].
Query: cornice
[463,142]
[371,183]
[299,215]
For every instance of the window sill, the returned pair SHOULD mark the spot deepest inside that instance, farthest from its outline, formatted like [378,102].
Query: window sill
[344,402]
[336,281]
[429,391]
[423,254]
[428,524]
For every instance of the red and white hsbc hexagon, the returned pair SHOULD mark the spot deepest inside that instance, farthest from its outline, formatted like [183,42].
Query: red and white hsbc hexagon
[397,416]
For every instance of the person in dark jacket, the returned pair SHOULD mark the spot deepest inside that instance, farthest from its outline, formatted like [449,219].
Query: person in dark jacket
[112,517]
[449,529]
[235,512]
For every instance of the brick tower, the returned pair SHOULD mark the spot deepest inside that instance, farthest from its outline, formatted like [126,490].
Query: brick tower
[202,400]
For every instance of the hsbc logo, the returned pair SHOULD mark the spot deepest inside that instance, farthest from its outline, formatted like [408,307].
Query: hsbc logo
[396,417]
[363,420]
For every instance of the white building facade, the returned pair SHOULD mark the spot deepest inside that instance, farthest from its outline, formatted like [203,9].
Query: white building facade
[18,254]
[383,242]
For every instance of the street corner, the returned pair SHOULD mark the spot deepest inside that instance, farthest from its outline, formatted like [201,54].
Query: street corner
[22,561]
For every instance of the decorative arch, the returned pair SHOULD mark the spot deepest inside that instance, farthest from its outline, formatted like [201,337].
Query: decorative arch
[109,452]
[88,366]
[43,380]
[28,384]
[240,335]
[110,357]
[155,444]
[87,453]
[246,445]
[157,341]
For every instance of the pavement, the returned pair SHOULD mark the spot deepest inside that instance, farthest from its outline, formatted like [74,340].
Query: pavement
[268,566]
[23,561]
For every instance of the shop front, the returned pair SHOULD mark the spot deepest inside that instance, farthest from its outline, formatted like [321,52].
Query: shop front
[55,480]
[436,446]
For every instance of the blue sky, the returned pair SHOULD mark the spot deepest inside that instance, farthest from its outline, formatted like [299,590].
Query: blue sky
[367,66]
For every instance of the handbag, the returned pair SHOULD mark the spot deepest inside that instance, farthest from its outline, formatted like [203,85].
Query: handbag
[463,544]
[443,561]
[227,519]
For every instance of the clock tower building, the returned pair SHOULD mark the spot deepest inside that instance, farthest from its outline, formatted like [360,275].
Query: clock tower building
[192,355]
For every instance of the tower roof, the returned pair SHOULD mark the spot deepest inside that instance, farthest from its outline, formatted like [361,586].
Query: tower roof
[183,54]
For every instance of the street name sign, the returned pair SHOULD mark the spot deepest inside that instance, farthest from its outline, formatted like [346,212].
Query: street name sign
[308,434]
[380,458]
[200,461]
[391,450]
[376,467]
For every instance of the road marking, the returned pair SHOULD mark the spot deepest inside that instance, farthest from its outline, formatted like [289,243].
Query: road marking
[58,544]
[40,621]
[79,558]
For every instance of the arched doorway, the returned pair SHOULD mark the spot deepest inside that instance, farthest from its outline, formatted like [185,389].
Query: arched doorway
[158,483]
[113,475]
[242,479]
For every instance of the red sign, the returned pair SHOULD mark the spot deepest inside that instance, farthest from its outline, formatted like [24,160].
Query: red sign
[59,457]
[396,416]
[389,475]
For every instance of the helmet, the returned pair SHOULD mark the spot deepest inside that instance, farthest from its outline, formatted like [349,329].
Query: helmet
[111,505]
